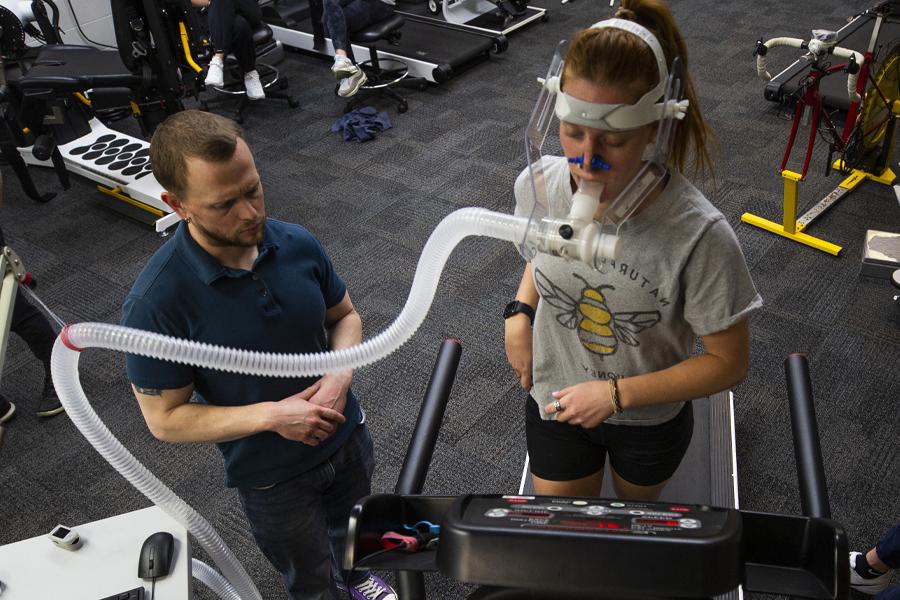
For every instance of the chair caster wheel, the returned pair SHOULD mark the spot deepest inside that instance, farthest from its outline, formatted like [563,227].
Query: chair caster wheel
[403,107]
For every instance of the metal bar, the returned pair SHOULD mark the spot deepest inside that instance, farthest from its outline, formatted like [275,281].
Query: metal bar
[791,181]
[10,285]
[807,448]
[411,584]
[421,446]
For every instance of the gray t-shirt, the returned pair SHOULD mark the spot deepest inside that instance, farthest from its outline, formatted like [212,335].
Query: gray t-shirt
[679,274]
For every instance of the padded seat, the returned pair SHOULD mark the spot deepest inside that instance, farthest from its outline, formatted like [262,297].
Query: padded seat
[72,68]
[382,73]
[382,30]
[262,34]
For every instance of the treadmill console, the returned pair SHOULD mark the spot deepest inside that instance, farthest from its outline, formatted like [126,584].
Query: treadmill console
[612,546]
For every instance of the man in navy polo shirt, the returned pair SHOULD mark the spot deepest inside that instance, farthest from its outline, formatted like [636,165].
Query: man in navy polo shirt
[296,449]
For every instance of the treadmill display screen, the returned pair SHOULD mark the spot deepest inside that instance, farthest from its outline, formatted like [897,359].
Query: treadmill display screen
[594,516]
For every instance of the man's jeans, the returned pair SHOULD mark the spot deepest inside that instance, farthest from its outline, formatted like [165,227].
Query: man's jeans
[300,524]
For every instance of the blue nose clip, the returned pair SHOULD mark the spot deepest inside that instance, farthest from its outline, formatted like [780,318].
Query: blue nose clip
[596,162]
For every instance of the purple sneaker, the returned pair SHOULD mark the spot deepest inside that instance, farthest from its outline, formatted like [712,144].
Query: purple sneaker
[372,588]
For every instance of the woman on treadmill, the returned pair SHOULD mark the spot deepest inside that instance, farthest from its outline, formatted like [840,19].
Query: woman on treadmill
[609,354]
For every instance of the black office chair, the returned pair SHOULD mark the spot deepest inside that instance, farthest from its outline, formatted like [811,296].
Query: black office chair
[269,52]
[383,73]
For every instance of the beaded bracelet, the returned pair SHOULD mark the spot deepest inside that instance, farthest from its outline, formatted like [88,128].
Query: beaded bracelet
[614,395]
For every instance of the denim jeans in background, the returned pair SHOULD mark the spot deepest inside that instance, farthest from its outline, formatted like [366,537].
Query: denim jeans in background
[343,18]
[888,549]
[231,25]
[300,524]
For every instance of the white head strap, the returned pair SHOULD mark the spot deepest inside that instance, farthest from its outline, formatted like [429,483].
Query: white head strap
[621,117]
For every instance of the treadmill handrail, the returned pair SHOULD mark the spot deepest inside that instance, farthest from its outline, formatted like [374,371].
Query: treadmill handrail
[807,448]
[412,475]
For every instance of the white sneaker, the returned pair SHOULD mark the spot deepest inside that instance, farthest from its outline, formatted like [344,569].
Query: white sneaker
[215,76]
[343,67]
[8,409]
[350,85]
[254,86]
[870,585]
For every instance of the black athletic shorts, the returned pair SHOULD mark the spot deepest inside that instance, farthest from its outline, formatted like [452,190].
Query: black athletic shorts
[642,455]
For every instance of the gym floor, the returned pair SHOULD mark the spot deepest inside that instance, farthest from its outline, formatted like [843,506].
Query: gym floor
[373,205]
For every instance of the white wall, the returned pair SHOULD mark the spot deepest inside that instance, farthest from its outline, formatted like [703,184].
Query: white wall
[93,16]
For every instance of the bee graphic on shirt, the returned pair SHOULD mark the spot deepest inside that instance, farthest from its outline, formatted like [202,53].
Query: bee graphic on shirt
[600,330]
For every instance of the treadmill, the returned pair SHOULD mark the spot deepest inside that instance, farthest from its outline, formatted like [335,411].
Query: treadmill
[855,35]
[479,15]
[707,474]
[520,546]
[432,50]
[708,471]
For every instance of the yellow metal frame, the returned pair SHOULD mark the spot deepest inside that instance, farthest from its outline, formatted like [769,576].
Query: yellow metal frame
[186,46]
[118,194]
[790,228]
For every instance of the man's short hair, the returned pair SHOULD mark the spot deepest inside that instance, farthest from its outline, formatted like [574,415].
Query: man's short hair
[190,133]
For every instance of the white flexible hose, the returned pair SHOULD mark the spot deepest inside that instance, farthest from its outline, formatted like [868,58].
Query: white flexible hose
[64,368]
[212,579]
[75,338]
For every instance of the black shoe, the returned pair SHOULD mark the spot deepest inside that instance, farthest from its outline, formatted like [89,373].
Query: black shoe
[49,404]
[7,410]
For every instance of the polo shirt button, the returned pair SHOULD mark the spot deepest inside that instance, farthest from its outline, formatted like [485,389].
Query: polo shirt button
[263,293]
[254,277]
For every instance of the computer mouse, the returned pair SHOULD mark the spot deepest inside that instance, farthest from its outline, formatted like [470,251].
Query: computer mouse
[156,555]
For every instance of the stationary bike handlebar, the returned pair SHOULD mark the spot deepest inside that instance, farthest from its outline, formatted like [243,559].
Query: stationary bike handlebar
[817,49]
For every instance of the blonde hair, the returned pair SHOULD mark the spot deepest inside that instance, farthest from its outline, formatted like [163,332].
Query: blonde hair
[190,133]
[613,56]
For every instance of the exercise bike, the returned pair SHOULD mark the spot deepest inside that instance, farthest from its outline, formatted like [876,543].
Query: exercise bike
[864,146]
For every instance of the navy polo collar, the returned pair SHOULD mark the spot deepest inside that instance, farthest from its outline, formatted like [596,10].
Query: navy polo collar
[207,268]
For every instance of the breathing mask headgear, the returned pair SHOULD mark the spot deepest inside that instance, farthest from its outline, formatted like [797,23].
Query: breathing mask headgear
[566,228]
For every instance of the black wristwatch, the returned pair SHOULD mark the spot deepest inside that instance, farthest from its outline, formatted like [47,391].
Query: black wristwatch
[515,307]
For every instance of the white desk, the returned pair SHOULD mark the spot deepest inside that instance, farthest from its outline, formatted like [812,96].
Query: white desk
[106,564]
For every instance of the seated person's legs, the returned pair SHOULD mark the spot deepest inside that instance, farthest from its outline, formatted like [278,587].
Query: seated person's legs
[870,572]
[231,24]
[340,21]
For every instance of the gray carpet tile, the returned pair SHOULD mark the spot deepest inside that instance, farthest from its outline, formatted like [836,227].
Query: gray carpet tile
[373,206]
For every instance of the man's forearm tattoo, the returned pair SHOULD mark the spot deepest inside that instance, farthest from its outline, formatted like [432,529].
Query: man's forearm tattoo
[148,391]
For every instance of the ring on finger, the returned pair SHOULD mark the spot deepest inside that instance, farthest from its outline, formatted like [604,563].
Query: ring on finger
[557,407]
